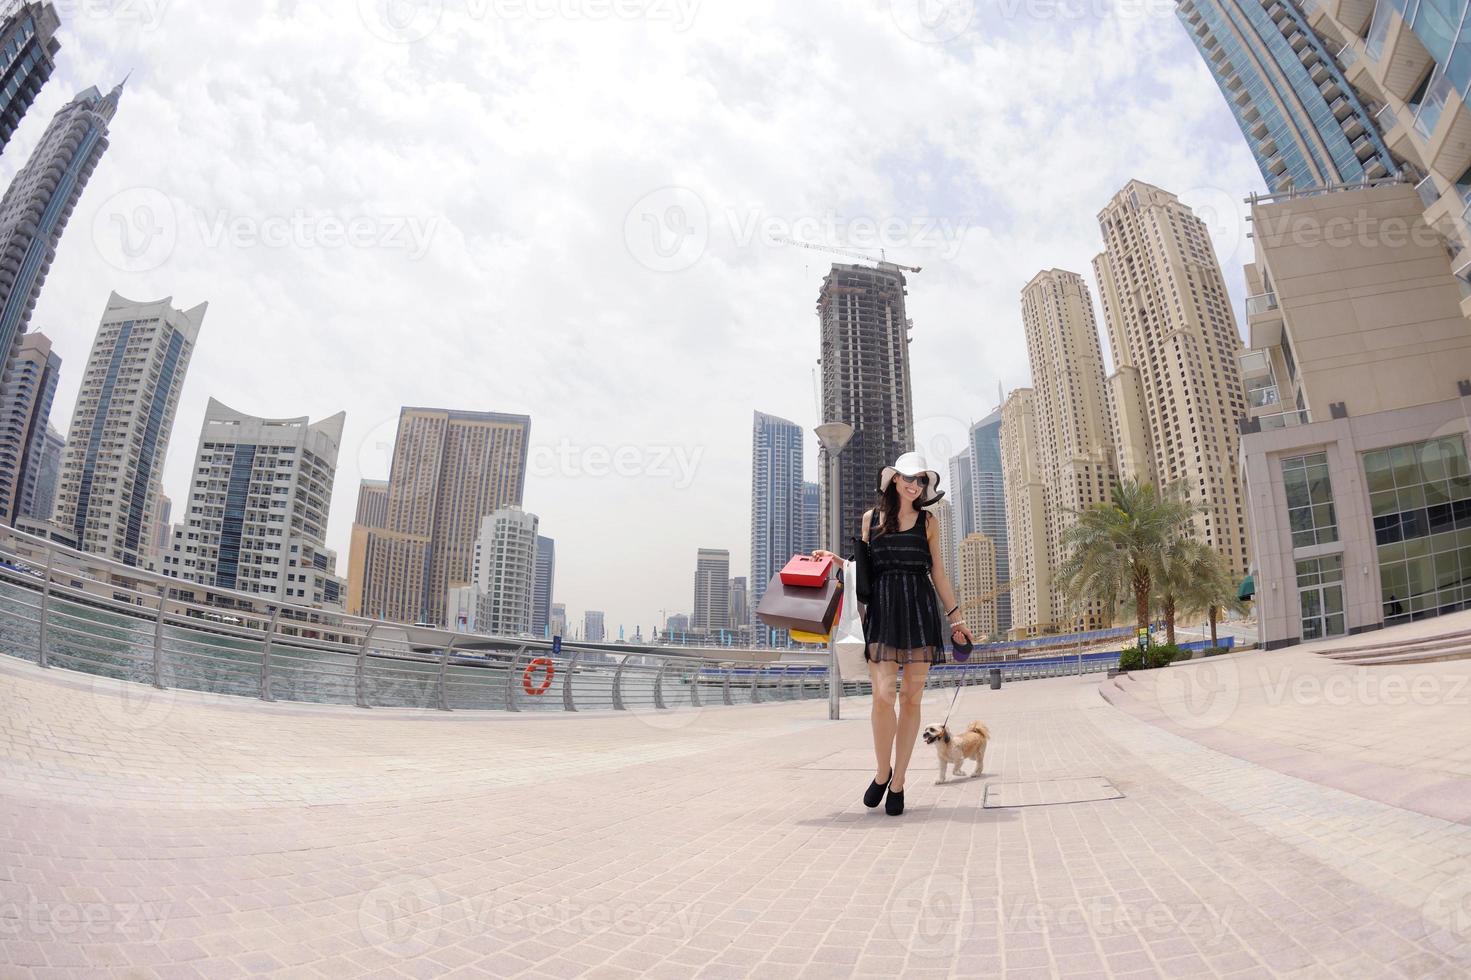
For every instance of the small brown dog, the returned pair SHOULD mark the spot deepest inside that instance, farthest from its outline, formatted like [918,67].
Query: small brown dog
[954,748]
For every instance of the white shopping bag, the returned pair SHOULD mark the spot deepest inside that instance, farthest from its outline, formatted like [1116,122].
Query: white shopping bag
[848,630]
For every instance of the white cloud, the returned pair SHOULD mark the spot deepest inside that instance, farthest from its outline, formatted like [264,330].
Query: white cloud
[517,147]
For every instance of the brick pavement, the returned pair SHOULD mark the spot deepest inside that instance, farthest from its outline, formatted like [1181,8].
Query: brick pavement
[152,833]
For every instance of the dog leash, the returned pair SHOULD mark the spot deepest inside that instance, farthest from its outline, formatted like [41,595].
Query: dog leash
[953,698]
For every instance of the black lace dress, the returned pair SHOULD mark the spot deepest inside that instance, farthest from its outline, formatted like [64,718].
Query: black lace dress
[902,620]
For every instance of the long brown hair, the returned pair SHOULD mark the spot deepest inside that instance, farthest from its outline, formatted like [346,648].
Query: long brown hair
[887,507]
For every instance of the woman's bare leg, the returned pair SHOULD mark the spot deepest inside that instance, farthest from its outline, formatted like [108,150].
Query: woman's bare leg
[881,674]
[911,692]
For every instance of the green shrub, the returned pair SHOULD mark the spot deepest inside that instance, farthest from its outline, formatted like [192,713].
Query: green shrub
[1162,655]
[1216,651]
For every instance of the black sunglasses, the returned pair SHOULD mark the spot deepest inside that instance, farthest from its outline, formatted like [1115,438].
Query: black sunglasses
[922,480]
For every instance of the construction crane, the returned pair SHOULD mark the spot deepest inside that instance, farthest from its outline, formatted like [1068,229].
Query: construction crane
[851,253]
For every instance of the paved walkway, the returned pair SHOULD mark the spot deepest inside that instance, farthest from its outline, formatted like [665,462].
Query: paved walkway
[149,833]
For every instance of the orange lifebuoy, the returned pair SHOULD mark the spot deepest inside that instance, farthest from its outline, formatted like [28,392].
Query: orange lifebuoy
[546,683]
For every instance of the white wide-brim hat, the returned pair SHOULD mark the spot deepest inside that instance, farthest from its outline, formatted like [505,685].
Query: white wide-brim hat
[912,464]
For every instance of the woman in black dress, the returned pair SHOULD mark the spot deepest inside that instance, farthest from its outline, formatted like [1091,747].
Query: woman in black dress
[901,624]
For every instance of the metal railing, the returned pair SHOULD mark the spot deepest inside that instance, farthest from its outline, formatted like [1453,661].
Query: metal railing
[52,617]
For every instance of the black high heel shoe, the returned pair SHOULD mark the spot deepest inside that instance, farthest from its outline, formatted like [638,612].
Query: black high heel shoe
[875,791]
[894,805]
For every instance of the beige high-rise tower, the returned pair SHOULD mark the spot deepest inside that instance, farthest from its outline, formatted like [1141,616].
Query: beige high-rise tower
[1074,441]
[1026,527]
[1177,388]
[450,469]
[976,584]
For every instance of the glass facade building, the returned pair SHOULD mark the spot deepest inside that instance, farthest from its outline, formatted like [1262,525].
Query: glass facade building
[28,47]
[1305,124]
[988,493]
[1420,499]
[35,208]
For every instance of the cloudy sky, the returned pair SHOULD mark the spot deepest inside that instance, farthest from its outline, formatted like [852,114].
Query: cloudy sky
[568,208]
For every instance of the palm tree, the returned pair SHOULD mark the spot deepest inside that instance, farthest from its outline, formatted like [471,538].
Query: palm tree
[1212,591]
[1187,564]
[1115,549]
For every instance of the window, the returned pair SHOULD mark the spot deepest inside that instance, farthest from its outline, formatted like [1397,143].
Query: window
[1420,501]
[1310,511]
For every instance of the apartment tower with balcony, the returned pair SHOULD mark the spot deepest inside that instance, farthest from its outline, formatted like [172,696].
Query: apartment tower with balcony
[1355,448]
[1173,334]
[256,518]
[1071,431]
[112,471]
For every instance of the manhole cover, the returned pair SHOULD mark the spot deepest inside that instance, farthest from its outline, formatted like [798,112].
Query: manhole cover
[1044,792]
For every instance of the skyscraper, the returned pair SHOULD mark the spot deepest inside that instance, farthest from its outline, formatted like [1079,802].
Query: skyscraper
[592,626]
[976,584]
[48,472]
[111,473]
[1305,124]
[504,572]
[1026,516]
[778,519]
[1169,319]
[1072,421]
[372,503]
[28,46]
[256,517]
[450,469]
[865,382]
[557,619]
[961,494]
[546,577]
[944,511]
[1355,445]
[712,591]
[40,199]
[740,609]
[812,518]
[27,388]
[988,493]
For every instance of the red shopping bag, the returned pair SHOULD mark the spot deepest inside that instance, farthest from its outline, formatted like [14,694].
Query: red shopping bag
[806,571]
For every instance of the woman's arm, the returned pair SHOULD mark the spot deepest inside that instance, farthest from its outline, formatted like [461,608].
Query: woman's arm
[863,530]
[955,615]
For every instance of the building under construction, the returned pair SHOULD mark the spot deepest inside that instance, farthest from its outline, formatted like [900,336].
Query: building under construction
[865,382]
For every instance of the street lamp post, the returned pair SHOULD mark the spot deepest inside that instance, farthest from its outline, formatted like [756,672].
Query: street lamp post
[834,436]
